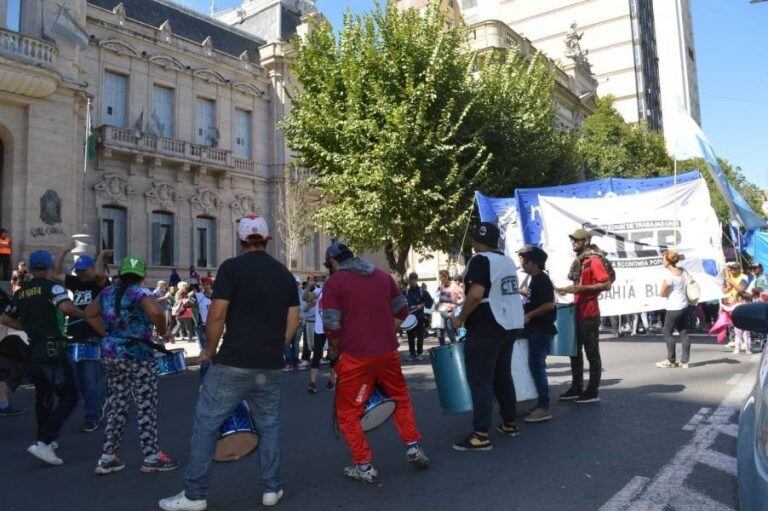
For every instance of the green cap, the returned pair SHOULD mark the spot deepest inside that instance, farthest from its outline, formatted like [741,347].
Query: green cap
[135,265]
[580,234]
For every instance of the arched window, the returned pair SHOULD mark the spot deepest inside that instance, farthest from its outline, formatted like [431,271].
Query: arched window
[205,242]
[164,239]
[113,232]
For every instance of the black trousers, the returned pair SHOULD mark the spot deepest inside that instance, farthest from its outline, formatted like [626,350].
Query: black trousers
[5,267]
[588,339]
[416,339]
[53,381]
[489,374]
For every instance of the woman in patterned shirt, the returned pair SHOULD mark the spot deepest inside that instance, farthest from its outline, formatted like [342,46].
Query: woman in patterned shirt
[124,315]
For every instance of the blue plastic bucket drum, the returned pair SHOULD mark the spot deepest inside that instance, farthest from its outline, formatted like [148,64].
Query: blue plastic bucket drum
[451,377]
[83,351]
[378,409]
[170,364]
[237,435]
[564,342]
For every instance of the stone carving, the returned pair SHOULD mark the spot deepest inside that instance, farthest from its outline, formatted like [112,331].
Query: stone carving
[119,46]
[207,201]
[114,188]
[163,194]
[167,62]
[210,76]
[165,30]
[119,12]
[573,48]
[244,205]
[248,88]
[208,45]
[50,208]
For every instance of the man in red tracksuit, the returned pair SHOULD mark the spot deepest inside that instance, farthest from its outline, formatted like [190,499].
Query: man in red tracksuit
[361,307]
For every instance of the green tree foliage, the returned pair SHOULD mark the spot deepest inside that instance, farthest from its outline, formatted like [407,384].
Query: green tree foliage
[400,125]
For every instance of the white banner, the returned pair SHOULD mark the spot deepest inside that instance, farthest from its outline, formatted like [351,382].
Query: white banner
[633,230]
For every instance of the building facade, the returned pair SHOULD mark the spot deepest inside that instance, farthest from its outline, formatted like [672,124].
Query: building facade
[184,111]
[641,51]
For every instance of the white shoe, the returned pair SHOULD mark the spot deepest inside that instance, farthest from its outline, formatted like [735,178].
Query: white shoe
[180,502]
[43,451]
[271,498]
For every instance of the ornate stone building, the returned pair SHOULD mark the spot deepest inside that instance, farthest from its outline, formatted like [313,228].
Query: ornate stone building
[184,111]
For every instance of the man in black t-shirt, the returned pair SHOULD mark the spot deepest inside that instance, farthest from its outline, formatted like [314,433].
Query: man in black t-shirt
[255,297]
[36,309]
[85,285]
[540,316]
[491,310]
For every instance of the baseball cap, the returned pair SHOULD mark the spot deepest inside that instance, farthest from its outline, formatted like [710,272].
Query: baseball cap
[580,234]
[254,226]
[337,248]
[533,253]
[487,234]
[413,276]
[84,262]
[134,265]
[733,264]
[40,260]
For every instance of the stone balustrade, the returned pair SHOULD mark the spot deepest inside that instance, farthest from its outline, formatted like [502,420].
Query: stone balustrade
[27,49]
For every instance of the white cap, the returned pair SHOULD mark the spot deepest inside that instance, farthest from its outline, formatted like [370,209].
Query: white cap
[252,226]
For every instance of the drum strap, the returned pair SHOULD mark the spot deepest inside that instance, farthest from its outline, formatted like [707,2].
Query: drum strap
[155,346]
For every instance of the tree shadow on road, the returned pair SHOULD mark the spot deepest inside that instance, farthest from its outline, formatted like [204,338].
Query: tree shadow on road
[724,360]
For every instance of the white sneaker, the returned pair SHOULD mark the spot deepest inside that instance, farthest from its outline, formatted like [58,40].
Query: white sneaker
[43,451]
[271,498]
[180,502]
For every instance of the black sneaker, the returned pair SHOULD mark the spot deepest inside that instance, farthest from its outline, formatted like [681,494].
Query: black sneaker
[311,388]
[570,394]
[588,397]
[161,462]
[474,443]
[104,467]
[508,429]
[330,385]
[10,411]
[89,426]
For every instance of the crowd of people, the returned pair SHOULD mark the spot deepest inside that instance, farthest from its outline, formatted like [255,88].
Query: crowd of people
[256,321]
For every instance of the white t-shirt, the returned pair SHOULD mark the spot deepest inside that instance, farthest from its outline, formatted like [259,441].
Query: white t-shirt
[203,304]
[318,313]
[677,299]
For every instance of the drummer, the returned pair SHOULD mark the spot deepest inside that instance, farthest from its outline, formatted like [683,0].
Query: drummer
[418,299]
[361,308]
[540,316]
[492,310]
[35,309]
[124,314]
[255,298]
[89,280]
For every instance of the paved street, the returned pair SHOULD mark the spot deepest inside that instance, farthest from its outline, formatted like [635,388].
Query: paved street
[660,438]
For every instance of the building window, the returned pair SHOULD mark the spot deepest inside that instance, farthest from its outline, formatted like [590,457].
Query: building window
[114,99]
[162,113]
[207,134]
[163,239]
[205,242]
[12,15]
[243,134]
[113,232]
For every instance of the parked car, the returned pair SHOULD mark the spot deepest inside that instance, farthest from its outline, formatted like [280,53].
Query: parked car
[752,446]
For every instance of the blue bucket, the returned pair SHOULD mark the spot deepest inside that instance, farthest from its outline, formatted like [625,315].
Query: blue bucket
[564,342]
[451,377]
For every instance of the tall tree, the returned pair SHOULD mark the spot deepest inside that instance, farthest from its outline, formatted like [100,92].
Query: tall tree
[294,220]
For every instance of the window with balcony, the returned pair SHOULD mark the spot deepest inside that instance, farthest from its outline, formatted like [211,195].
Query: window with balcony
[164,239]
[114,99]
[113,232]
[207,133]
[12,15]
[205,242]
[163,107]
[243,134]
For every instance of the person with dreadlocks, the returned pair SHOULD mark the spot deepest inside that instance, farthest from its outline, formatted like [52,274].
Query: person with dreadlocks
[591,274]
[123,315]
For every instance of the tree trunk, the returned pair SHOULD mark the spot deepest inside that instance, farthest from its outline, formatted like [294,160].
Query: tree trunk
[396,258]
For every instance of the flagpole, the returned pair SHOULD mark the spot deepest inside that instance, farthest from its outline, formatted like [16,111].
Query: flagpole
[85,155]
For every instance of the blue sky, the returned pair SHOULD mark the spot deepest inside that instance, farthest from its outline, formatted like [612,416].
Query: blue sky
[732,57]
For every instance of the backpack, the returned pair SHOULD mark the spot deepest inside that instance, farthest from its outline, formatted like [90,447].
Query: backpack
[692,289]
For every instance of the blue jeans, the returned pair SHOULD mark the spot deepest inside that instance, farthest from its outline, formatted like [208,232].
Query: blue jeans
[538,348]
[90,384]
[223,389]
[203,342]
[291,350]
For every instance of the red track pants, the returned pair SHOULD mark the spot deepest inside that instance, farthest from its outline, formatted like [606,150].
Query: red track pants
[357,378]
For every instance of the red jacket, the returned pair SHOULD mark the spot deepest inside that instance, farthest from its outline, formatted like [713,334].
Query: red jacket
[358,305]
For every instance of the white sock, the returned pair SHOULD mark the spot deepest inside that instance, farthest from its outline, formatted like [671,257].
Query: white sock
[107,457]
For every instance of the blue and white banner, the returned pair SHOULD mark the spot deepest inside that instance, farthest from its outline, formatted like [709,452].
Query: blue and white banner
[633,230]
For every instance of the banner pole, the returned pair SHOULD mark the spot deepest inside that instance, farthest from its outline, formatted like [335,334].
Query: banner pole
[675,200]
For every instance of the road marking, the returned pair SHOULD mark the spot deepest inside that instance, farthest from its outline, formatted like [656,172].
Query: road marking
[735,378]
[730,430]
[667,488]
